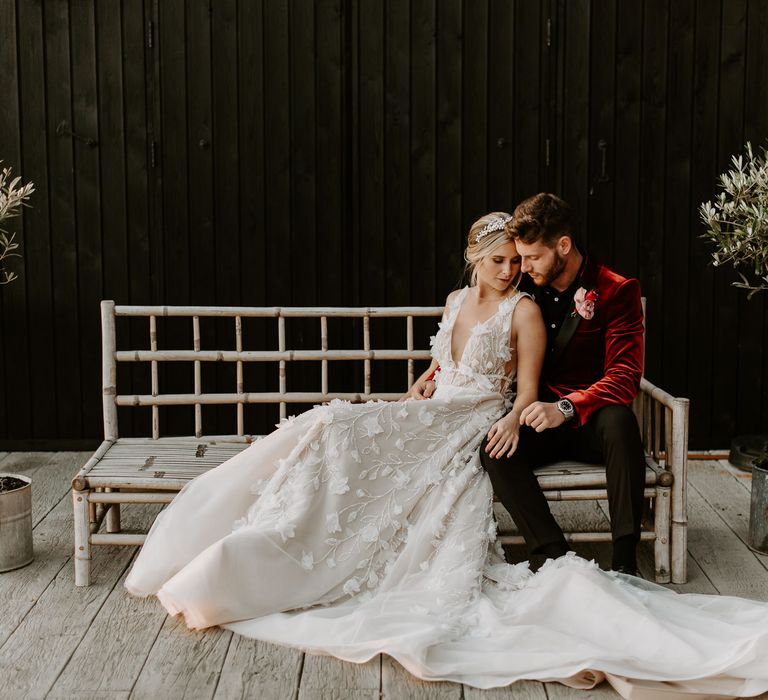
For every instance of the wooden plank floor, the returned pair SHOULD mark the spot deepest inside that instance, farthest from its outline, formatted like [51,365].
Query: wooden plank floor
[58,641]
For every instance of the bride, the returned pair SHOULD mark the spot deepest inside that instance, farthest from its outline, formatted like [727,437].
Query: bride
[359,529]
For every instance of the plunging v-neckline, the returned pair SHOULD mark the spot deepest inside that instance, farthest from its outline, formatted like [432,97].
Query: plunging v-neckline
[480,324]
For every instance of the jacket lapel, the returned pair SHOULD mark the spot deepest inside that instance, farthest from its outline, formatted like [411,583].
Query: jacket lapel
[564,336]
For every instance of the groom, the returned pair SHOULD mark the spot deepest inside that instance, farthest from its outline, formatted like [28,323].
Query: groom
[591,373]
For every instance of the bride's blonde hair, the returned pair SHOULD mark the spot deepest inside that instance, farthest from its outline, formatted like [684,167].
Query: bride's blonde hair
[485,235]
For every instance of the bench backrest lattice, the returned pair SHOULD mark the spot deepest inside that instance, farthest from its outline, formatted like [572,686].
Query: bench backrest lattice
[112,355]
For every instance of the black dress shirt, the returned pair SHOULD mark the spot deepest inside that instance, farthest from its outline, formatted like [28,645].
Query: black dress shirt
[555,306]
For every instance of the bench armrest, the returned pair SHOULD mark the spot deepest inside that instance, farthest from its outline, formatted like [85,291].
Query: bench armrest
[79,481]
[663,421]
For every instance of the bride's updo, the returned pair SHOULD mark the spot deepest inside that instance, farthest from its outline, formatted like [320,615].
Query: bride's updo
[485,235]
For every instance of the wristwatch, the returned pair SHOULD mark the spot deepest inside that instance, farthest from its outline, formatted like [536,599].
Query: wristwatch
[566,408]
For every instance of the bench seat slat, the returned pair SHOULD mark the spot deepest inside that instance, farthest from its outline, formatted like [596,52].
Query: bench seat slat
[174,460]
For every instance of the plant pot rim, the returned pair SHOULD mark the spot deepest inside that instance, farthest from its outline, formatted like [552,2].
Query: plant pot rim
[745,449]
[21,477]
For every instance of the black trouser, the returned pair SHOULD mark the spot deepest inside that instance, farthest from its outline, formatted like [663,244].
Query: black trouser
[611,436]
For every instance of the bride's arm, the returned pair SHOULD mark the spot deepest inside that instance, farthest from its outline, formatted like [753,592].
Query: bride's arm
[424,387]
[529,337]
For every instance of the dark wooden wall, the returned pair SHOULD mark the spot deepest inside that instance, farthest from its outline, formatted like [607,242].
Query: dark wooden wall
[267,152]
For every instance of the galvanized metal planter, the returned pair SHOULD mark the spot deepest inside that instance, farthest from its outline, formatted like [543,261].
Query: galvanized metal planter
[758,510]
[16,525]
[745,449]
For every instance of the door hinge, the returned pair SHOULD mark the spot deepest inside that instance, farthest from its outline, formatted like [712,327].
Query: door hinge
[546,152]
[549,32]
[150,34]
[153,154]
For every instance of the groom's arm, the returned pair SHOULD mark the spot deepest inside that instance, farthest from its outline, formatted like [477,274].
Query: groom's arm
[623,355]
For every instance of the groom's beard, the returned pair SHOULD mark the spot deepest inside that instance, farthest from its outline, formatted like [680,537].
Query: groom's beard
[542,279]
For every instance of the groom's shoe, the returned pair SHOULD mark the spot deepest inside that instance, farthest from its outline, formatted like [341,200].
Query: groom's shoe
[553,550]
[624,555]
[548,551]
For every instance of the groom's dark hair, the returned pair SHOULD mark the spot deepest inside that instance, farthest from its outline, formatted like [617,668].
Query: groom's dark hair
[544,217]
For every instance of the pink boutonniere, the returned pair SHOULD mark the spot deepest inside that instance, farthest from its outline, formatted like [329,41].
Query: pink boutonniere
[584,302]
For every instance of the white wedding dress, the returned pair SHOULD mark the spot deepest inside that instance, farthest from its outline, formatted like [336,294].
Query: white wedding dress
[356,529]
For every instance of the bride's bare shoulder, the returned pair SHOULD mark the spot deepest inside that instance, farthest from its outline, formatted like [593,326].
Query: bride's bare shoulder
[452,296]
[527,312]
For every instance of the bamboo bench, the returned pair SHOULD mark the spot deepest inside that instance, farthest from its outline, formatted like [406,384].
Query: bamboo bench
[153,469]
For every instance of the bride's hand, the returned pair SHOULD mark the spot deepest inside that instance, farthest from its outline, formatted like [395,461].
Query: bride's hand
[503,437]
[421,390]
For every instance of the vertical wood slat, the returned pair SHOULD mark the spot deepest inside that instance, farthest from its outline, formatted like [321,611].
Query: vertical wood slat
[652,159]
[281,347]
[240,389]
[679,436]
[173,154]
[475,135]
[627,135]
[601,141]
[198,377]
[60,186]
[109,369]
[668,436]
[367,346]
[422,143]
[676,249]
[331,70]
[501,48]
[409,346]
[38,266]
[15,352]
[573,152]
[89,182]
[155,383]
[449,239]
[755,131]
[324,348]
[277,148]
[645,423]
[638,408]
[253,169]
[704,167]
[725,381]
[371,156]
[530,80]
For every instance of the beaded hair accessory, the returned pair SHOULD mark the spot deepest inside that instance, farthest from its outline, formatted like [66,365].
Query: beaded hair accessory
[495,225]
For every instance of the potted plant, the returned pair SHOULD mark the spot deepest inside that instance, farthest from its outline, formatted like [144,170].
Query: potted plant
[15,489]
[736,223]
[12,198]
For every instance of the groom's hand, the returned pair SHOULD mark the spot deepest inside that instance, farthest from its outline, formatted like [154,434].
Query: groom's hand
[541,416]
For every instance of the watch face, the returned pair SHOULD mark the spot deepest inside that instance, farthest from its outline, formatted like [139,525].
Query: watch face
[565,406]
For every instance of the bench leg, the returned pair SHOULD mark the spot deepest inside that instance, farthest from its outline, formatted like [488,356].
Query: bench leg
[113,516]
[661,546]
[82,538]
[679,552]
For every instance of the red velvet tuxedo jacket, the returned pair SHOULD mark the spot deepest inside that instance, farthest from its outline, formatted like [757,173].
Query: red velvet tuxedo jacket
[603,361]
